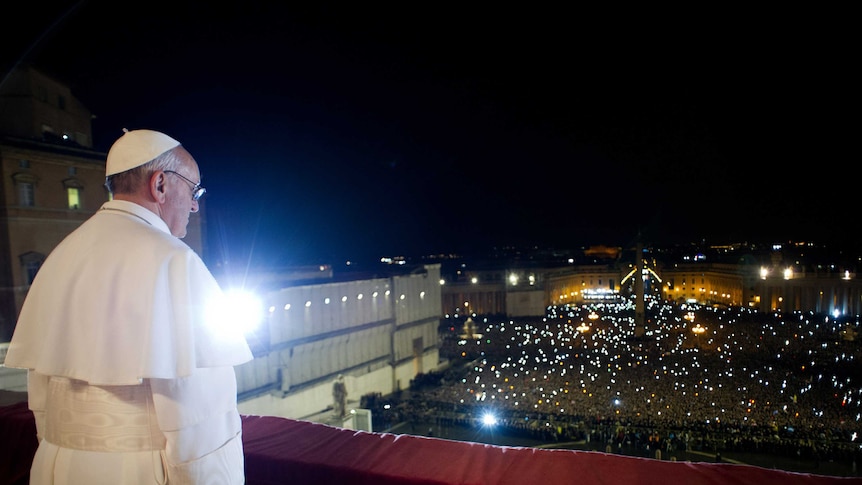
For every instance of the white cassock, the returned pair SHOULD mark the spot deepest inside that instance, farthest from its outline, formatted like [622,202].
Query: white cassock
[131,373]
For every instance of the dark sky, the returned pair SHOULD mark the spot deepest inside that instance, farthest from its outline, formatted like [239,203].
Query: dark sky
[330,132]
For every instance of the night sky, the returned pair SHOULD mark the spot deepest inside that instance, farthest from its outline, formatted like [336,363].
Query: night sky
[330,133]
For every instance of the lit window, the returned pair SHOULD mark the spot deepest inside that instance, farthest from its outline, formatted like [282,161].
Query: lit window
[74,196]
[73,192]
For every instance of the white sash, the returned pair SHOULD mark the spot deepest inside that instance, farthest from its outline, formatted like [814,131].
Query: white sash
[101,418]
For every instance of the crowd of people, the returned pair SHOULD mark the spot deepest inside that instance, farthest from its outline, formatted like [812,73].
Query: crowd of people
[687,377]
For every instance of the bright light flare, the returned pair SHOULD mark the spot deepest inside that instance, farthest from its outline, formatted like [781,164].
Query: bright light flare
[489,419]
[243,309]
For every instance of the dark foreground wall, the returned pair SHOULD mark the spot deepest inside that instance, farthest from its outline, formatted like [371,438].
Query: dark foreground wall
[285,451]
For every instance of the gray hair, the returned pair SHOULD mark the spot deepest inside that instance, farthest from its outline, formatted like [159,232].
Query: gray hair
[131,180]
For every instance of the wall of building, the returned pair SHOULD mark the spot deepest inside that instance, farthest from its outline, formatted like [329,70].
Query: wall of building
[706,283]
[469,298]
[836,295]
[833,292]
[35,106]
[30,233]
[581,284]
[377,333]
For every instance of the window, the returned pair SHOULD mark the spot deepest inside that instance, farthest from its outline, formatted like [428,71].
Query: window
[73,192]
[30,270]
[26,194]
[74,196]
[31,262]
[23,163]
[25,185]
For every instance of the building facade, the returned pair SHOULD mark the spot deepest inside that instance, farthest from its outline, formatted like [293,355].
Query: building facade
[776,280]
[373,334]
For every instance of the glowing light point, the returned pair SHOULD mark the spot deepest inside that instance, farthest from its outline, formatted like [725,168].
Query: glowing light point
[489,419]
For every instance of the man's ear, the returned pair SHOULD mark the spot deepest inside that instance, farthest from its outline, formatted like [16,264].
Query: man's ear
[157,186]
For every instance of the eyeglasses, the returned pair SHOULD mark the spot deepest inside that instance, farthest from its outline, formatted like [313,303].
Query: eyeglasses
[197,190]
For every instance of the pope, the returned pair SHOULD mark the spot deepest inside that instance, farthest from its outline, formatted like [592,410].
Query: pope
[130,370]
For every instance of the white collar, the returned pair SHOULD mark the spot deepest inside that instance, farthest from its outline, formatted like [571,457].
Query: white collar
[138,211]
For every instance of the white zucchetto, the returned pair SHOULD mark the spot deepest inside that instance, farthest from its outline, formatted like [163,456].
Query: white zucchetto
[136,148]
